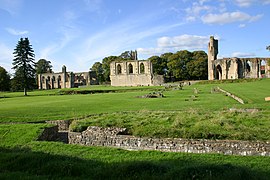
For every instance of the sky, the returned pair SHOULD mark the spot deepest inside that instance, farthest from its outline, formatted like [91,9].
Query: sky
[78,33]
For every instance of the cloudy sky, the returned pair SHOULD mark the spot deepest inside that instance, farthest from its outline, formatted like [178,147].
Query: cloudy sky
[78,33]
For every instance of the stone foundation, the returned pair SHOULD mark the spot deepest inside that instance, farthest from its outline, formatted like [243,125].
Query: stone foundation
[110,137]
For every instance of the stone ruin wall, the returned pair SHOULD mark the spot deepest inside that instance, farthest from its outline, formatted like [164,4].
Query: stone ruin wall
[109,137]
[134,73]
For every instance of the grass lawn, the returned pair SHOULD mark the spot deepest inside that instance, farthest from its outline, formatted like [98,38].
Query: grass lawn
[180,114]
[22,157]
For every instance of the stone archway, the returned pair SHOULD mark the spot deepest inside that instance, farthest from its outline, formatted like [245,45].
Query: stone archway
[119,69]
[218,72]
[130,69]
[240,69]
[262,68]
[141,68]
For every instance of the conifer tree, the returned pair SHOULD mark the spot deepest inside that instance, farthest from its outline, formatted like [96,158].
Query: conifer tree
[23,62]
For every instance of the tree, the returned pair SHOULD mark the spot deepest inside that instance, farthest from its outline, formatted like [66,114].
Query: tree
[23,63]
[159,65]
[43,66]
[4,80]
[177,64]
[106,66]
[129,55]
[97,67]
[198,67]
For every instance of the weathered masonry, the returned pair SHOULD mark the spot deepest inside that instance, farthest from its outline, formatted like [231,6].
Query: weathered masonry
[133,73]
[66,79]
[114,137]
[235,68]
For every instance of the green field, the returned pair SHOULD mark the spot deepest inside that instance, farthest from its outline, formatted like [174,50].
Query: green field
[181,113]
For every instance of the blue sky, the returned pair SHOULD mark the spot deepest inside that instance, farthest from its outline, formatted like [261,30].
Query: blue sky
[78,33]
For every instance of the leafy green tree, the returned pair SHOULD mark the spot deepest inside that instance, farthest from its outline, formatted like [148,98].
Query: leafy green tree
[177,64]
[4,80]
[128,55]
[198,67]
[43,66]
[97,67]
[23,63]
[159,65]
[106,66]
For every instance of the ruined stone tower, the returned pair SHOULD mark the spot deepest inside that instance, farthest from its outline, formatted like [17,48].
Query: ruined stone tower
[212,56]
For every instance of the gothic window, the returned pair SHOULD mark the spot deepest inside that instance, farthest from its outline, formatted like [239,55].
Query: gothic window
[141,68]
[119,69]
[130,69]
[262,67]
[249,64]
[219,72]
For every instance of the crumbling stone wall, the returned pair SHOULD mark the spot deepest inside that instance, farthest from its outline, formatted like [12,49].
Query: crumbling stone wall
[62,125]
[133,73]
[97,136]
[49,134]
[234,67]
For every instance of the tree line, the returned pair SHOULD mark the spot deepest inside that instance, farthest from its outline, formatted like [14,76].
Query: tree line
[182,65]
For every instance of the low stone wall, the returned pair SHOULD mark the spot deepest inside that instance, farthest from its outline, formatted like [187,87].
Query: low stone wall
[97,136]
[49,134]
[63,125]
[232,95]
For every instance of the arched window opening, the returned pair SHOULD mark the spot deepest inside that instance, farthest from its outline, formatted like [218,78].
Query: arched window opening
[249,65]
[119,69]
[219,72]
[262,68]
[240,69]
[141,68]
[59,81]
[130,69]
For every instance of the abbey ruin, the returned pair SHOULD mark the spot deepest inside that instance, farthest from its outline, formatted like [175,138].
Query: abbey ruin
[235,68]
[66,79]
[134,73]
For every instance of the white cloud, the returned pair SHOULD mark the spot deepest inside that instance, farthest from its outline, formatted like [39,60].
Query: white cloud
[229,17]
[16,32]
[176,43]
[115,39]
[248,3]
[243,54]
[6,57]
[266,1]
[183,42]
[11,6]
[244,3]
[242,25]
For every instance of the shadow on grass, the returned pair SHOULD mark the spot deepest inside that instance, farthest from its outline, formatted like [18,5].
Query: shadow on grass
[22,163]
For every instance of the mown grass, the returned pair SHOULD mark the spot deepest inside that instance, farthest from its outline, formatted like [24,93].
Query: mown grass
[188,124]
[180,114]
[24,158]
[39,108]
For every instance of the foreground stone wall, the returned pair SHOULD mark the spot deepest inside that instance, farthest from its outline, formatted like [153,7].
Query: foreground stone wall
[97,136]
[62,125]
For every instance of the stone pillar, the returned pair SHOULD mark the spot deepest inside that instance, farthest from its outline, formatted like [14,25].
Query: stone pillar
[64,71]
[212,56]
